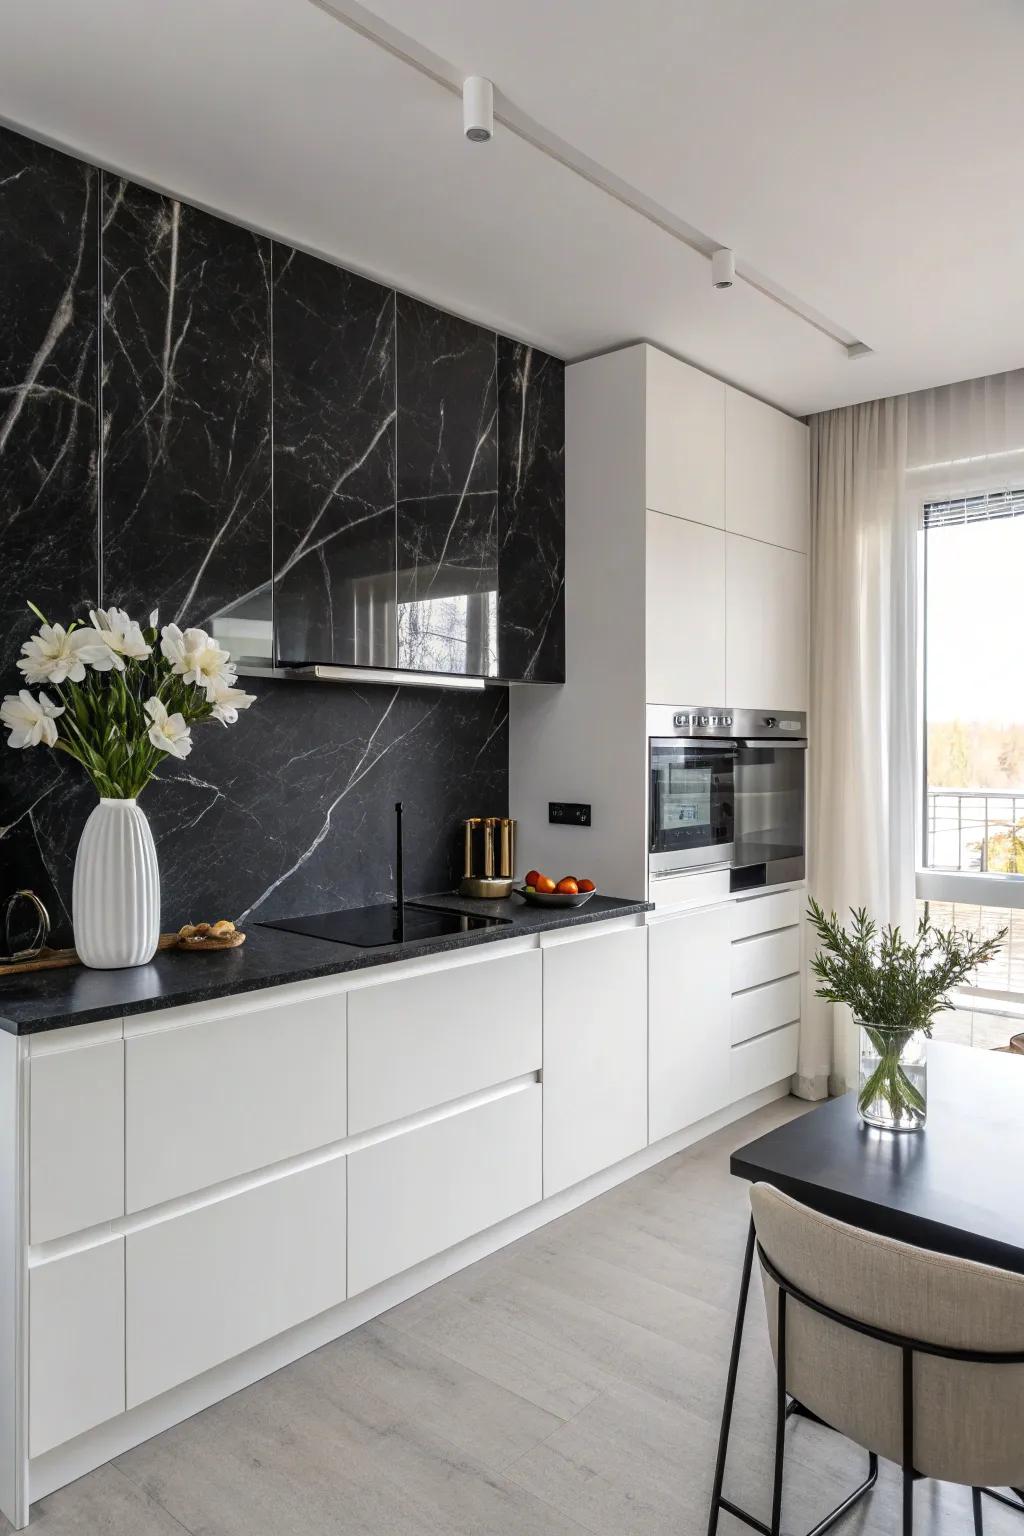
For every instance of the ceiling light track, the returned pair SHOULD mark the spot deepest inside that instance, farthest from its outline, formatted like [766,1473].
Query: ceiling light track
[365,23]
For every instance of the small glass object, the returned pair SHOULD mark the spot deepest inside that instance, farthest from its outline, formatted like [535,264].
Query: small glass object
[893,1092]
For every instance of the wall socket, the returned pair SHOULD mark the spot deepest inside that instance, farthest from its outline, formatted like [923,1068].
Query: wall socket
[568,813]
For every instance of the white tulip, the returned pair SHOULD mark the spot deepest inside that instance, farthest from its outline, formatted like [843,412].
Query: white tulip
[30,721]
[55,655]
[121,637]
[195,656]
[227,700]
[168,733]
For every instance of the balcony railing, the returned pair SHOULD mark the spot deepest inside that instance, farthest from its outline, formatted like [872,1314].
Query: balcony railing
[976,831]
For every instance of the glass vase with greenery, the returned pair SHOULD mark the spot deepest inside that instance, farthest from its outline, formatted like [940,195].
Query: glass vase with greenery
[894,986]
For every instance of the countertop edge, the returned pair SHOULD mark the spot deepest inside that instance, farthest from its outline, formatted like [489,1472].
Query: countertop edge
[208,990]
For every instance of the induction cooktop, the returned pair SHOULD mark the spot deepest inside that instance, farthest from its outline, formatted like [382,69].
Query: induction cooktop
[367,927]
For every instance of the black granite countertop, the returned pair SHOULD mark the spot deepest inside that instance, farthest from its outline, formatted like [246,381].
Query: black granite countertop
[41,1000]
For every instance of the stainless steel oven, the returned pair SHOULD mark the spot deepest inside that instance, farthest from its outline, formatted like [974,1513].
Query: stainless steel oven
[727,787]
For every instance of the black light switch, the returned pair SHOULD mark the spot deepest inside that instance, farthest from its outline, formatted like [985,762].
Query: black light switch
[568,813]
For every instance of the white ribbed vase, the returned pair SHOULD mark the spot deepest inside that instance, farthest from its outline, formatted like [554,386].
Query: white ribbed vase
[115,899]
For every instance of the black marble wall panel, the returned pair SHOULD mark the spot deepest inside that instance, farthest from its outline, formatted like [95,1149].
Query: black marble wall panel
[48,448]
[531,502]
[334,464]
[447,492]
[186,407]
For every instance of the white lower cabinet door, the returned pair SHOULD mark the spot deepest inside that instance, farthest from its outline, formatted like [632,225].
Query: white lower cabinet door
[76,1344]
[206,1285]
[421,1191]
[689,1019]
[595,1055]
[768,1059]
[76,1140]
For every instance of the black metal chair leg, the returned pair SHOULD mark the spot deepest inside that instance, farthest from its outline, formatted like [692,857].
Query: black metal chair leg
[730,1384]
[908,1441]
[780,1412]
[979,1523]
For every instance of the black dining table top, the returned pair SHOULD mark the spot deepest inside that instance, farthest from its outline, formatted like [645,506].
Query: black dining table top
[956,1186]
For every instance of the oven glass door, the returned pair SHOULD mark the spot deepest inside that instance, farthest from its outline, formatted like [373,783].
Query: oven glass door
[691,801]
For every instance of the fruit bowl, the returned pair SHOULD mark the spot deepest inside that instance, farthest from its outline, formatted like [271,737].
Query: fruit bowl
[553,898]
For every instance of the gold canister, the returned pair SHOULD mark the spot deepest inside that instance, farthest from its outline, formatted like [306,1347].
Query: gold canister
[492,884]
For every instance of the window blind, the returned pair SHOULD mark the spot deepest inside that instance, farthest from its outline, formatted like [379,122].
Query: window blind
[982,508]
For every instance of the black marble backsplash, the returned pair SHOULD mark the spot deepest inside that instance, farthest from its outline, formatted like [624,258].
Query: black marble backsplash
[191,414]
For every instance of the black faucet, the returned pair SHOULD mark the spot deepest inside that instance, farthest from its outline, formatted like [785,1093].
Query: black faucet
[399,873]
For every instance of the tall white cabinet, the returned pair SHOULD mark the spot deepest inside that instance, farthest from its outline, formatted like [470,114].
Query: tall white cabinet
[687,539]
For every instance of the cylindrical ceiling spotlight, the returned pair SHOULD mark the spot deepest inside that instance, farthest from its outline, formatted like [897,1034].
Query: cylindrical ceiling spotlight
[478,109]
[723,268]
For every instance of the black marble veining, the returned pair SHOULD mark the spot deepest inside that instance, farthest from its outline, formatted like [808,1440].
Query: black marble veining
[46,1000]
[48,451]
[186,516]
[531,501]
[334,464]
[447,492]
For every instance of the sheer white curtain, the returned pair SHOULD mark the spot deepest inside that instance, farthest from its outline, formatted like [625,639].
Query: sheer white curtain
[863,717]
[873,467]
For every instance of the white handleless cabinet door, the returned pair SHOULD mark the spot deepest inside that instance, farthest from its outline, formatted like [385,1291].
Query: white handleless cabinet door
[767,473]
[418,1043]
[595,1055]
[76,1140]
[204,1286]
[227,1095]
[685,440]
[689,1018]
[418,1192]
[76,1344]
[766,626]
[685,612]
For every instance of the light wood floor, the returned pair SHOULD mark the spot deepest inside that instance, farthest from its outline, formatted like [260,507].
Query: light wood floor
[571,1383]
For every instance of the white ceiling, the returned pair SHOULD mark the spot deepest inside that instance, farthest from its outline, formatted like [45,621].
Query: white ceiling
[862,154]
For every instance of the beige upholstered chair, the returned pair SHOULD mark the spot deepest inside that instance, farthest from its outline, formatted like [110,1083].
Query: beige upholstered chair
[880,1341]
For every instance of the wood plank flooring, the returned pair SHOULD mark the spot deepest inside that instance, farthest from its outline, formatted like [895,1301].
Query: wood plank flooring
[571,1383]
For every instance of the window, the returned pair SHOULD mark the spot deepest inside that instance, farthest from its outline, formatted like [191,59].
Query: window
[973,812]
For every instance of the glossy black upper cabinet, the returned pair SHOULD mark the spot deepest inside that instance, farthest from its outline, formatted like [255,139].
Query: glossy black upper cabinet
[447,493]
[334,465]
[419,504]
[186,507]
[531,514]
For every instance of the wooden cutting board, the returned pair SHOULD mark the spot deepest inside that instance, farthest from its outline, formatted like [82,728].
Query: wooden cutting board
[54,959]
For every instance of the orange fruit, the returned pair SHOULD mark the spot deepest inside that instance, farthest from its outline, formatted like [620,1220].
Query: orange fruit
[532,878]
[545,884]
[586,885]
[567,886]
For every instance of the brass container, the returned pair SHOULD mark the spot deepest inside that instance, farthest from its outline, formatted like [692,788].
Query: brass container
[493,883]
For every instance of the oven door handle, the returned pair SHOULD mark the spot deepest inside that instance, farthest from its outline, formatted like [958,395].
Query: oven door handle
[770,741]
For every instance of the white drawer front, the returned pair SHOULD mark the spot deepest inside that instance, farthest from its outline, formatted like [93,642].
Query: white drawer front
[76,1344]
[757,1063]
[422,1191]
[416,1044]
[761,914]
[204,1286]
[765,1008]
[76,1140]
[227,1096]
[755,961]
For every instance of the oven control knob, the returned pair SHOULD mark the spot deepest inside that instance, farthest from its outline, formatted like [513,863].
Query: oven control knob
[703,720]
[680,719]
[727,719]
[771,721]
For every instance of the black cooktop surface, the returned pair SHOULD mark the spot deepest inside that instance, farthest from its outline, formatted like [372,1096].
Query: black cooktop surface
[366,927]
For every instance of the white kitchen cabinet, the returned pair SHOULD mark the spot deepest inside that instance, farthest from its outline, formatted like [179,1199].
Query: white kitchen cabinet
[206,1285]
[421,1042]
[595,1054]
[685,459]
[420,1191]
[689,1017]
[765,1008]
[759,1063]
[76,1139]
[763,914]
[766,626]
[229,1094]
[768,957]
[686,612]
[76,1344]
[767,473]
